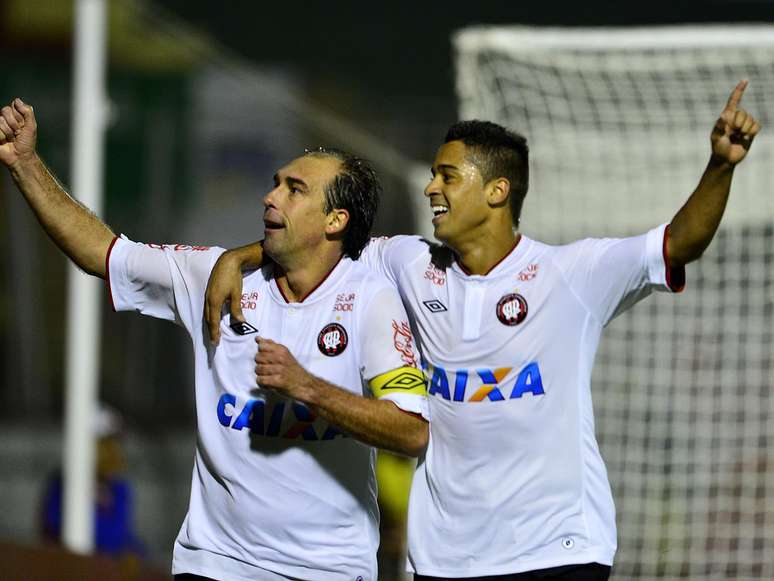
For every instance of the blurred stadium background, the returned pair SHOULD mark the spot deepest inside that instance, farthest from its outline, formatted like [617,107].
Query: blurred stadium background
[206,103]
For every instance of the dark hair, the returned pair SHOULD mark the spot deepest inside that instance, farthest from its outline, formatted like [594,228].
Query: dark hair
[497,153]
[356,189]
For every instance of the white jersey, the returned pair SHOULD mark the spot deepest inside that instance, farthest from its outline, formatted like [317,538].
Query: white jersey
[274,489]
[512,479]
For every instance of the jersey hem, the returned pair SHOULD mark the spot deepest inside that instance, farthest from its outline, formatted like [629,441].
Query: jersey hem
[228,569]
[600,556]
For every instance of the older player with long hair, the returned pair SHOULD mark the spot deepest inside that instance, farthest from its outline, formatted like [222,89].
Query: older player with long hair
[280,488]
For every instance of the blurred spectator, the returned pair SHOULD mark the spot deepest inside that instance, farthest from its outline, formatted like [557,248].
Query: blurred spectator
[113,528]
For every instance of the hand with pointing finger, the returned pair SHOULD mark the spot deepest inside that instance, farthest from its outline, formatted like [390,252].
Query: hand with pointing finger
[734,130]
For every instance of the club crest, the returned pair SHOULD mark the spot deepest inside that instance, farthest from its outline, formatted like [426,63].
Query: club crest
[511,309]
[332,340]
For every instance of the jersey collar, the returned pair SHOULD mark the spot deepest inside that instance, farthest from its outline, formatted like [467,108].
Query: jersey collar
[327,284]
[512,257]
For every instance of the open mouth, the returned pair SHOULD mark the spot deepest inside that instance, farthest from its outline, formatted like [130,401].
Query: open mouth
[439,210]
[272,225]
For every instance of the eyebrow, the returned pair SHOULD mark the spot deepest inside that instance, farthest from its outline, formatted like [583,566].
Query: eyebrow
[291,181]
[444,167]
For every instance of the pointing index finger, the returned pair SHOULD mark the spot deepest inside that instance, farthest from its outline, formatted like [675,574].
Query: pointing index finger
[736,95]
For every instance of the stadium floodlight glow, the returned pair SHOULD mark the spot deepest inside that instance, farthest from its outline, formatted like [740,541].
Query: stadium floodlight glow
[618,122]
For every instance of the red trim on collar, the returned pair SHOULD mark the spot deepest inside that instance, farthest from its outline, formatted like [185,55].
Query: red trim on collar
[306,296]
[495,265]
[107,273]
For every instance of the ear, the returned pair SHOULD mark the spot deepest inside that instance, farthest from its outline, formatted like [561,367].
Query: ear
[497,191]
[336,221]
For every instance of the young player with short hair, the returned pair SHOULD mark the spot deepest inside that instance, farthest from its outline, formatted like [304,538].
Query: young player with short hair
[512,485]
[280,489]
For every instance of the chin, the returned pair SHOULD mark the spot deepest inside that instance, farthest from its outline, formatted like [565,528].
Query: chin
[271,248]
[440,234]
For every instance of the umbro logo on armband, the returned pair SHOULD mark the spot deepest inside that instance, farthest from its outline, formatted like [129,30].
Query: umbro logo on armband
[241,328]
[405,380]
[435,306]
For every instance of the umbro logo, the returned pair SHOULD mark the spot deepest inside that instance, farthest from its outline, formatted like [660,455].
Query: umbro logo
[435,306]
[404,381]
[242,328]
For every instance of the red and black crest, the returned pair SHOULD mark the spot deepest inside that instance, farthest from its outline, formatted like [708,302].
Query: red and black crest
[332,340]
[512,309]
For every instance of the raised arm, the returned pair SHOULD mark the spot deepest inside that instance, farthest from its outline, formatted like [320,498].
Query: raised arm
[376,422]
[71,225]
[694,226]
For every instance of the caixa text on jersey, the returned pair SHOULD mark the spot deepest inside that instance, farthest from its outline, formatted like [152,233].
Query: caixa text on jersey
[465,385]
[289,420]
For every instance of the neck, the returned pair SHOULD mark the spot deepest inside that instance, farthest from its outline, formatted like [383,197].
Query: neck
[481,253]
[297,281]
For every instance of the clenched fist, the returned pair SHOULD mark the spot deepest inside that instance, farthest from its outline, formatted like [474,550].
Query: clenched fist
[277,369]
[18,132]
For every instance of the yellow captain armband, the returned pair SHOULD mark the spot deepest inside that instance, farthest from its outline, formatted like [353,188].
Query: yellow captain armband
[401,380]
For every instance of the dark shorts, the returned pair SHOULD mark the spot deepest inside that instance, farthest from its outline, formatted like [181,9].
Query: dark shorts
[190,577]
[586,572]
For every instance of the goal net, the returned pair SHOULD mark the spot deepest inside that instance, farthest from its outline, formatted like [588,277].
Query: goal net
[618,122]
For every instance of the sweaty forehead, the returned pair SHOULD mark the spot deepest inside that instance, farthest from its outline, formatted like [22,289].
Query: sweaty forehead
[457,155]
[314,170]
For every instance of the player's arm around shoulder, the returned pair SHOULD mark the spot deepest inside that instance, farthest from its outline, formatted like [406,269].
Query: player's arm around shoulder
[385,255]
[388,255]
[225,285]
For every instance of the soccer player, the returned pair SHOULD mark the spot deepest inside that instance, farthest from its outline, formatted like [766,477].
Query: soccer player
[512,485]
[280,489]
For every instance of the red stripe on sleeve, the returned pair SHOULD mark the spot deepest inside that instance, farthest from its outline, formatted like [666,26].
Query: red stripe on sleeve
[107,272]
[675,277]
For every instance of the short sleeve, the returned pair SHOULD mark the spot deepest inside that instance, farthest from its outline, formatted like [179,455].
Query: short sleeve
[388,256]
[165,281]
[387,345]
[610,275]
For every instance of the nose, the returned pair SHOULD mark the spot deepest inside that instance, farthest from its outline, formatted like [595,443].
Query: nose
[269,199]
[432,187]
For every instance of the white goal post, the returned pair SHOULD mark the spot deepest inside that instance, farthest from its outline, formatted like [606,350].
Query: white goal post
[618,122]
